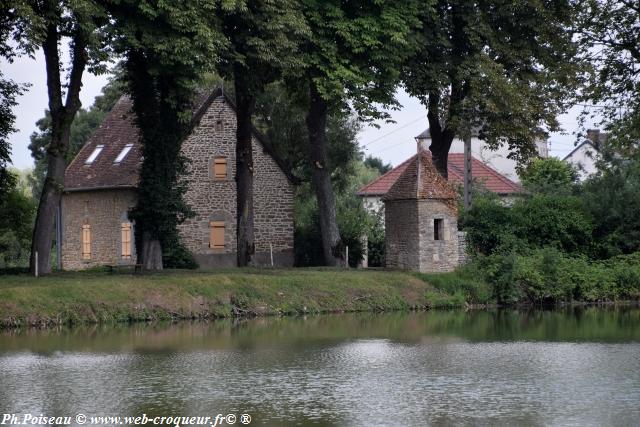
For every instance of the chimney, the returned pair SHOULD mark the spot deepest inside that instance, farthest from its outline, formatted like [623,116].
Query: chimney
[594,136]
[423,141]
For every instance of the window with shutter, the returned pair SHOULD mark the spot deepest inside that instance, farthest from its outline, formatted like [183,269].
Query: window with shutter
[125,232]
[86,241]
[219,168]
[216,234]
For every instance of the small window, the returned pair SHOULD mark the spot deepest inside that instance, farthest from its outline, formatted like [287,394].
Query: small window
[438,229]
[219,168]
[216,234]
[123,153]
[86,241]
[125,232]
[219,126]
[92,157]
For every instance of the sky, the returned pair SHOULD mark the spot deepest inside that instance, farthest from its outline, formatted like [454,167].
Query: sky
[392,142]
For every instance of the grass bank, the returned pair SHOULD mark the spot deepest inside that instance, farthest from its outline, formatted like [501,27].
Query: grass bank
[99,297]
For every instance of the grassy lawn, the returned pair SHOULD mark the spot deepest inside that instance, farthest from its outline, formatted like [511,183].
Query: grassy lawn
[91,297]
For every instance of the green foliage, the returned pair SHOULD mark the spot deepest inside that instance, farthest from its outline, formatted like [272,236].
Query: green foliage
[465,283]
[549,175]
[613,198]
[282,119]
[377,163]
[375,239]
[8,93]
[505,67]
[549,276]
[17,211]
[354,221]
[355,50]
[82,127]
[176,255]
[532,222]
[167,48]
[610,28]
[550,220]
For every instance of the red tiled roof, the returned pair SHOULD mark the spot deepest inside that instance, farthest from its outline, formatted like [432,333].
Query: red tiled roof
[421,180]
[490,178]
[116,131]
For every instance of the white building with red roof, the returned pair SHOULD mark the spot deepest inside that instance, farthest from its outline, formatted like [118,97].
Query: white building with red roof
[483,175]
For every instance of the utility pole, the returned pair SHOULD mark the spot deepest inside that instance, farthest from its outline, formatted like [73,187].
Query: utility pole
[468,176]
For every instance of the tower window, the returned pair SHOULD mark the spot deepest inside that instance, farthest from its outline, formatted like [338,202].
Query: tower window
[438,229]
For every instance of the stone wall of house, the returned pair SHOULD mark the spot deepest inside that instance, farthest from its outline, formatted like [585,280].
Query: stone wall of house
[215,199]
[105,211]
[401,238]
[463,256]
[437,255]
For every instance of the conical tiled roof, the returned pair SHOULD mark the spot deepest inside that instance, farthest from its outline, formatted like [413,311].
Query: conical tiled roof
[421,180]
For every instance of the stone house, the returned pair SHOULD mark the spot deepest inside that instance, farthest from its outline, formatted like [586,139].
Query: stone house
[421,219]
[100,189]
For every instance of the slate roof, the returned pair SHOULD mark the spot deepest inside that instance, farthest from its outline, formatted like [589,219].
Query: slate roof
[116,131]
[490,178]
[421,180]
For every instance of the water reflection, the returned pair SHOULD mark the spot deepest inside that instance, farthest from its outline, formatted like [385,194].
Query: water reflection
[575,366]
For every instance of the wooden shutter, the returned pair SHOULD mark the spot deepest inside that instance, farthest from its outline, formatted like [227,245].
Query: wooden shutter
[86,241]
[216,234]
[219,168]
[126,240]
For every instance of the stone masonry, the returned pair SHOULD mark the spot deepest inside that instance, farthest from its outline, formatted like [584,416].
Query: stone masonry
[213,136]
[105,211]
[421,225]
[215,200]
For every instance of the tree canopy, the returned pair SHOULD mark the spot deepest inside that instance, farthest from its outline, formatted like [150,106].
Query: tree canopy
[609,35]
[505,67]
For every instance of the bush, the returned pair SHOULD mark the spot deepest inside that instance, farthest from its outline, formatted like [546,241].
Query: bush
[548,275]
[531,223]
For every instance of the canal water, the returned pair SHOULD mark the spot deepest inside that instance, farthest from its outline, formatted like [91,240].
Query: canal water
[579,366]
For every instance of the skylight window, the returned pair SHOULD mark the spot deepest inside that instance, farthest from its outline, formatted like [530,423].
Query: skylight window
[94,155]
[123,153]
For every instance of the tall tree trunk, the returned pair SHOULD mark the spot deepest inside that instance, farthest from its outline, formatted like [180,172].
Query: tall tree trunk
[321,178]
[245,101]
[62,116]
[151,253]
[441,138]
[146,107]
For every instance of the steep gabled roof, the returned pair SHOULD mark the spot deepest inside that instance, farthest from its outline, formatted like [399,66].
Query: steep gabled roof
[421,180]
[586,142]
[118,130]
[490,178]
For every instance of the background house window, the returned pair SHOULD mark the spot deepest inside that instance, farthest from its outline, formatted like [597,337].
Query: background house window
[126,240]
[216,234]
[86,241]
[219,168]
[438,229]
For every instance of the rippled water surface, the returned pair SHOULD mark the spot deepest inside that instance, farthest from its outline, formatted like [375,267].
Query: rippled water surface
[571,367]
